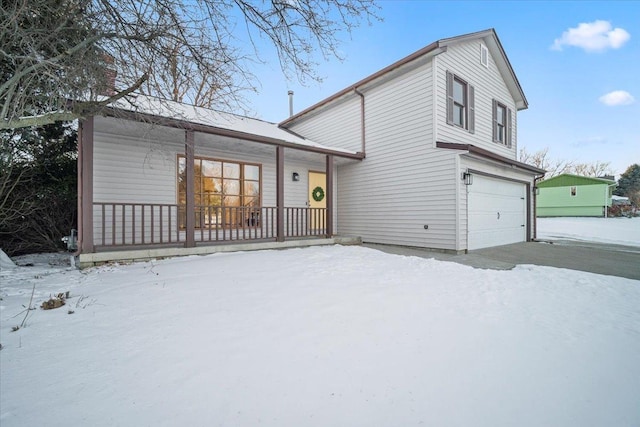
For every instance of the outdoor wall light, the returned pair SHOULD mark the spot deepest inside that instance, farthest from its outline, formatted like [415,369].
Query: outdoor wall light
[467,178]
[536,191]
[295,176]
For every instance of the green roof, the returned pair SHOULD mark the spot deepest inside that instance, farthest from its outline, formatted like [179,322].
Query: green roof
[566,180]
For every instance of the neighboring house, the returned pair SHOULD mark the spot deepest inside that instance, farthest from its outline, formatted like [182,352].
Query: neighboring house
[421,153]
[574,195]
[439,131]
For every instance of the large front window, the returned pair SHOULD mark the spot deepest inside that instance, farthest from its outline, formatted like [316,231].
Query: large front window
[224,192]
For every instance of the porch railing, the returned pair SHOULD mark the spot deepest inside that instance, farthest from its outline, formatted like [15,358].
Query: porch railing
[139,224]
[128,224]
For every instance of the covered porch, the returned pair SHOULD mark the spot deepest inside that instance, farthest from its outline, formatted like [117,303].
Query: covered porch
[223,182]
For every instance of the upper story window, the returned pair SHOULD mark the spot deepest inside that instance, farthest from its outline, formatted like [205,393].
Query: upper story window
[501,124]
[460,103]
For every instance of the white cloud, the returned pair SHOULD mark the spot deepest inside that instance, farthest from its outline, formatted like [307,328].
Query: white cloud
[596,36]
[617,97]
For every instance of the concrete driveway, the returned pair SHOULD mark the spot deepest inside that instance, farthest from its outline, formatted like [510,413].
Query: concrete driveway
[601,258]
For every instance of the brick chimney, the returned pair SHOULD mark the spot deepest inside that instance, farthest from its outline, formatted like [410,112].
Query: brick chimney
[108,88]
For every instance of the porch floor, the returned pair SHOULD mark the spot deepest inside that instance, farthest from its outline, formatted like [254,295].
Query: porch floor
[92,259]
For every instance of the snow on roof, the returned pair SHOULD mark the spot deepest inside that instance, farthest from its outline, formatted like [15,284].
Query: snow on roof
[204,116]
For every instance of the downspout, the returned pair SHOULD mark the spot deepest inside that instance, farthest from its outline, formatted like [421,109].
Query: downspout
[535,207]
[606,199]
[362,121]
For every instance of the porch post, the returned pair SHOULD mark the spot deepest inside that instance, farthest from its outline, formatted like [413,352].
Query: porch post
[190,210]
[329,194]
[280,194]
[85,185]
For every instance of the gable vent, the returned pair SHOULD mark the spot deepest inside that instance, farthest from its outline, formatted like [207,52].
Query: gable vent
[484,55]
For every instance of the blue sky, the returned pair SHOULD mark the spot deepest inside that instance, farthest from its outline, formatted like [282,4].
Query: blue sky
[566,82]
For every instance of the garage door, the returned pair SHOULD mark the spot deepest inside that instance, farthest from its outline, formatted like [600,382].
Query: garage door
[496,212]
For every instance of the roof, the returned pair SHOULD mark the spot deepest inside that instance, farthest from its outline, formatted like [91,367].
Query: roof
[565,180]
[491,40]
[175,114]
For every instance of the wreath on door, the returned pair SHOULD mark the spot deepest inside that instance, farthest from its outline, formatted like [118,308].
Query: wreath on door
[317,194]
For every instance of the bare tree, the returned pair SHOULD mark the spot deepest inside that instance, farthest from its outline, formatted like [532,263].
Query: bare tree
[554,167]
[183,81]
[594,169]
[542,160]
[12,177]
[58,57]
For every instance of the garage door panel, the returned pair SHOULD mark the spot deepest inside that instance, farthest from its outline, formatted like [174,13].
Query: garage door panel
[496,212]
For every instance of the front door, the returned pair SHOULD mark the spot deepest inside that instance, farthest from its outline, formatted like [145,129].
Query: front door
[317,200]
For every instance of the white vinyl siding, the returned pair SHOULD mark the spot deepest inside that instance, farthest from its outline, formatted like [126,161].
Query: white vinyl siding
[462,60]
[338,126]
[131,170]
[403,183]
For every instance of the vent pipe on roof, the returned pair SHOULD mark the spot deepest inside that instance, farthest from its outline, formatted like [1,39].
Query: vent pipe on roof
[290,103]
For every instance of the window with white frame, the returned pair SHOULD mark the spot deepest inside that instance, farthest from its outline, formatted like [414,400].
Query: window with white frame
[460,103]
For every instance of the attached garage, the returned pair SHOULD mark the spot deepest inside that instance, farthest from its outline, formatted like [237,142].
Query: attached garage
[496,212]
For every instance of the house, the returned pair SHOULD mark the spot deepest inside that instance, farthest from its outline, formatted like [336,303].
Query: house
[439,133]
[421,153]
[574,195]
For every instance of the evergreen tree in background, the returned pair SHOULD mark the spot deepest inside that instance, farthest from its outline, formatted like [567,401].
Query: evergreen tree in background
[38,197]
[629,184]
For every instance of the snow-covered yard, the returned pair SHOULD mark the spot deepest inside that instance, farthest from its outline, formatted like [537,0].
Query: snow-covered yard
[325,336]
[620,231]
